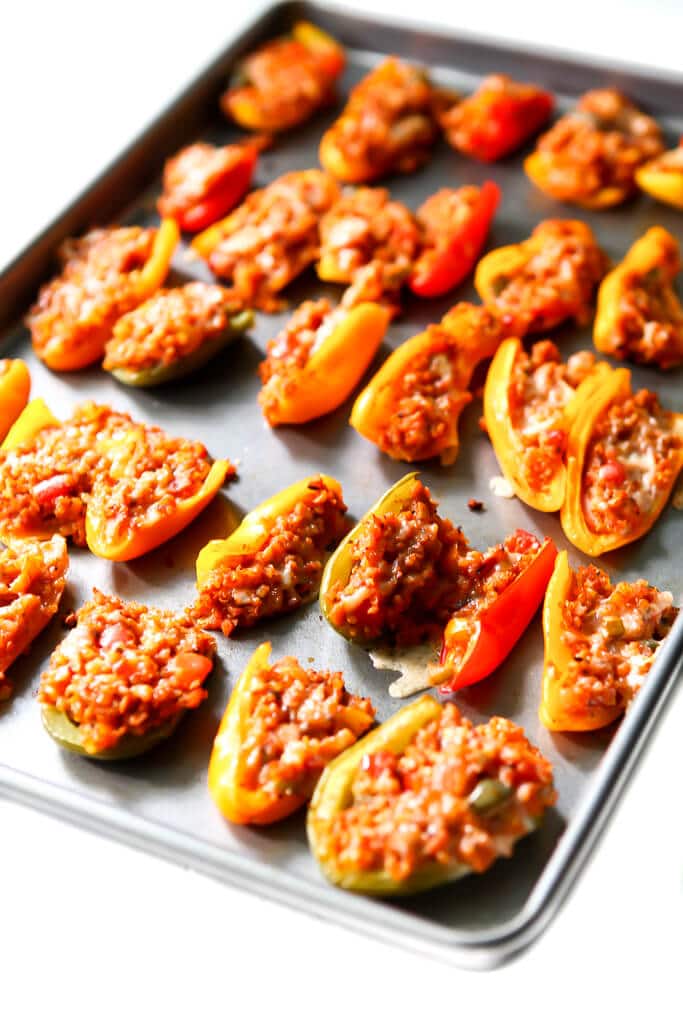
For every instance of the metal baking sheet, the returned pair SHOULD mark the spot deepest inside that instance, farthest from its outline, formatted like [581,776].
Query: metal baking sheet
[160,802]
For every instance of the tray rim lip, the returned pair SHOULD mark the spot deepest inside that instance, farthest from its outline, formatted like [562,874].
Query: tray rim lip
[483,948]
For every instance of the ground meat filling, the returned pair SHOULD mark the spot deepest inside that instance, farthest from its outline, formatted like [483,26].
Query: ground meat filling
[125,670]
[170,326]
[283,574]
[290,83]
[367,231]
[273,236]
[632,457]
[32,579]
[557,281]
[599,145]
[429,398]
[299,720]
[97,285]
[389,121]
[405,575]
[614,633]
[426,807]
[194,174]
[540,388]
[130,473]
[649,327]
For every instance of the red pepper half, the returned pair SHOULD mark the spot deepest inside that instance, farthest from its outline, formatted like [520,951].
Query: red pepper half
[476,642]
[450,257]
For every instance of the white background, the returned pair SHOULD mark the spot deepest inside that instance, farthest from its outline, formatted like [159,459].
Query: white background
[90,930]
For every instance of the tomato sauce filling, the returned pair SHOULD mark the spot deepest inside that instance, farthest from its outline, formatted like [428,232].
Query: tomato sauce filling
[649,327]
[286,80]
[541,386]
[614,634]
[405,576]
[367,231]
[97,285]
[171,325]
[281,575]
[273,236]
[599,145]
[556,281]
[497,118]
[32,579]
[389,121]
[299,720]
[426,807]
[195,174]
[125,670]
[632,458]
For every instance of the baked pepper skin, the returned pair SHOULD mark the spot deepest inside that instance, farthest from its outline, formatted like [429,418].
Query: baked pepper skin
[663,177]
[506,441]
[438,270]
[334,369]
[475,648]
[339,565]
[474,338]
[255,528]
[15,387]
[557,657]
[33,418]
[616,385]
[164,373]
[656,253]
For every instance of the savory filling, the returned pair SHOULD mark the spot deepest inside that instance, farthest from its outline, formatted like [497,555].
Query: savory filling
[97,285]
[405,576]
[389,121]
[555,282]
[130,472]
[649,326]
[614,634]
[299,720]
[632,457]
[273,236]
[427,402]
[366,228]
[291,349]
[171,325]
[540,388]
[599,145]
[457,797]
[32,578]
[288,82]
[194,174]
[281,575]
[126,670]
[497,118]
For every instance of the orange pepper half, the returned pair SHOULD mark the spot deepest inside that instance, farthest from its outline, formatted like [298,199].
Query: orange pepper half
[332,372]
[466,335]
[663,177]
[508,443]
[15,386]
[614,387]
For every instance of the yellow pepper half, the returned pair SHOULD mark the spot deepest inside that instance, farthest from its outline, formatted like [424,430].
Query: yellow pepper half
[614,387]
[15,387]
[652,262]
[663,177]
[508,443]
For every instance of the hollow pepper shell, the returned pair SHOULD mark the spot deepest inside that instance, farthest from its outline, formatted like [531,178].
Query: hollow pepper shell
[255,528]
[334,369]
[615,385]
[557,656]
[505,440]
[15,387]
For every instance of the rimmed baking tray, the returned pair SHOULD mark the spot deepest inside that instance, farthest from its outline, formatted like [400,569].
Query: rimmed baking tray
[160,802]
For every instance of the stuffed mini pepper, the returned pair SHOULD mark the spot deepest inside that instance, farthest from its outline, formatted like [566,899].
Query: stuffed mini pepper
[15,387]
[663,177]
[282,726]
[600,642]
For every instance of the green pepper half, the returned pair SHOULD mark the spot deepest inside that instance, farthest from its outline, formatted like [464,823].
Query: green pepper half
[163,373]
[68,735]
